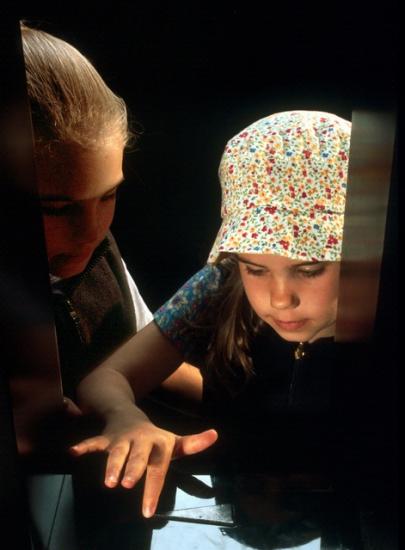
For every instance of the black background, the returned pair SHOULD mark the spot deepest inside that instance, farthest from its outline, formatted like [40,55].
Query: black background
[193,77]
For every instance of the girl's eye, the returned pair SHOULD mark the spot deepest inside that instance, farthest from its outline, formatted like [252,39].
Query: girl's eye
[110,197]
[309,273]
[70,209]
[65,210]
[255,272]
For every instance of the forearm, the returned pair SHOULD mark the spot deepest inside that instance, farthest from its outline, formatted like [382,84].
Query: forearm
[104,392]
[131,372]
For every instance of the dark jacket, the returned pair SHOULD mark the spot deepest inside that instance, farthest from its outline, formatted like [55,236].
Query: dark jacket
[94,314]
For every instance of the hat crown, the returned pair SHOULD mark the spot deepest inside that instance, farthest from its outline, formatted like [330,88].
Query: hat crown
[289,160]
[284,181]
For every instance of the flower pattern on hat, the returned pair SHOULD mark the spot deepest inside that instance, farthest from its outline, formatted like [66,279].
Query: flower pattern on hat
[284,181]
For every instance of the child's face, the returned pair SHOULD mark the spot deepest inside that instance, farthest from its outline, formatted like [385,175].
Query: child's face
[297,299]
[77,191]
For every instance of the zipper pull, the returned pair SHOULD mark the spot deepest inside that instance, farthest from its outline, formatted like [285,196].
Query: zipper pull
[299,352]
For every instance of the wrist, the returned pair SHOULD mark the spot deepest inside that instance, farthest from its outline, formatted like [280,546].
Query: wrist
[128,410]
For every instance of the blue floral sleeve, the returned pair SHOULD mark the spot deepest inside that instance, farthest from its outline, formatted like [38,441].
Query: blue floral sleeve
[174,317]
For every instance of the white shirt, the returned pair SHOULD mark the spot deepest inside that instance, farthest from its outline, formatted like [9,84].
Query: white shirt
[142,313]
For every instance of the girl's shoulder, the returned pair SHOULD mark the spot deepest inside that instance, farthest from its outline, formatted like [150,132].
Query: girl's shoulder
[208,279]
[195,293]
[179,317]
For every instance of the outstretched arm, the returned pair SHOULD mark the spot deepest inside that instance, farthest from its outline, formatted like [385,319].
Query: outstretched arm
[133,442]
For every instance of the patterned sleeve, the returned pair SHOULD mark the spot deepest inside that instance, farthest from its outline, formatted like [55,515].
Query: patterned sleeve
[174,316]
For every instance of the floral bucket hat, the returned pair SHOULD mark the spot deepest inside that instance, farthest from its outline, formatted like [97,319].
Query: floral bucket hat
[283,183]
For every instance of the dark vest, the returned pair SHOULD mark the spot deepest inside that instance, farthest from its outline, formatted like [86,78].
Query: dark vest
[94,314]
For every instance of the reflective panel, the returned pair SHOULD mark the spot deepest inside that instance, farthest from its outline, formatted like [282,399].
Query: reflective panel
[371,157]
[27,322]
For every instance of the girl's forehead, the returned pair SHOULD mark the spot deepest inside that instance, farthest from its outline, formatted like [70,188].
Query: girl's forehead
[74,173]
[272,260]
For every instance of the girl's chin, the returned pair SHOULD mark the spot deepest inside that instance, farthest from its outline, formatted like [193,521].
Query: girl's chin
[303,333]
[292,332]
[65,268]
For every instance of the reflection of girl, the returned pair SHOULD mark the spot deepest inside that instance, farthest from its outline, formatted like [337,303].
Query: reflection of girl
[259,318]
[274,512]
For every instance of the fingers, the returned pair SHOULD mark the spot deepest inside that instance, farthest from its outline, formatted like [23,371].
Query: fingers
[91,445]
[152,452]
[131,459]
[117,456]
[159,462]
[158,466]
[191,444]
[146,455]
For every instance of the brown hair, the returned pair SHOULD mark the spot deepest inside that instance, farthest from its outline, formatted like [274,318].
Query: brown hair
[70,102]
[232,322]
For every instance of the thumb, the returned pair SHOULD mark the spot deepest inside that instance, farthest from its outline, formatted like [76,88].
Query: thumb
[192,444]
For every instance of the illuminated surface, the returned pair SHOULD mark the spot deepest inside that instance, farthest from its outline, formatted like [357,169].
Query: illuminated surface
[179,535]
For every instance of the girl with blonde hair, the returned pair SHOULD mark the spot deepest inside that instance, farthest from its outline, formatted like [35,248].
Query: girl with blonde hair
[80,131]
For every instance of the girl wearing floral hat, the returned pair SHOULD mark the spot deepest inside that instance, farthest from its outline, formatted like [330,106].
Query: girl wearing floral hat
[258,319]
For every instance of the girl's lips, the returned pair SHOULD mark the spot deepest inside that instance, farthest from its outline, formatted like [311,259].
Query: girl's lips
[290,325]
[78,259]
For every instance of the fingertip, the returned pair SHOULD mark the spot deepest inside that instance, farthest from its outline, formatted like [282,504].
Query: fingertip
[148,511]
[75,450]
[111,482]
[128,482]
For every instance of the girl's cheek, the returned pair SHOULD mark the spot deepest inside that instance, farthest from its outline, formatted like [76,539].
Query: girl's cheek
[106,214]
[56,233]
[256,294]
[51,232]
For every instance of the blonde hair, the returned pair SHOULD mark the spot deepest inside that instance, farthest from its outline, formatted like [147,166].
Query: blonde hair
[70,102]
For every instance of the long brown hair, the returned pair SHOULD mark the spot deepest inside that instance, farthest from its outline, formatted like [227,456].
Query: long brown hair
[231,323]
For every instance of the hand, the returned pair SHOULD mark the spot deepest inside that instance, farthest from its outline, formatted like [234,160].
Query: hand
[135,445]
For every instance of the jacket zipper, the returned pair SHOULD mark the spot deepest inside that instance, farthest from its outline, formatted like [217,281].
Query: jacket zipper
[75,317]
[299,354]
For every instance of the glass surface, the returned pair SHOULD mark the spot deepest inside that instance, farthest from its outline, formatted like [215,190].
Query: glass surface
[225,509]
[177,535]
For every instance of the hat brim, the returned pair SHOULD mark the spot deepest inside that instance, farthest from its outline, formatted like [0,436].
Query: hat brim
[314,236]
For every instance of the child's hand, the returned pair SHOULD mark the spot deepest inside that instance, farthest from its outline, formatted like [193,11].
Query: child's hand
[134,446]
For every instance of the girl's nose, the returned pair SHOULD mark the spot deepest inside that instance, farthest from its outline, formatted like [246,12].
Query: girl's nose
[283,296]
[88,225]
